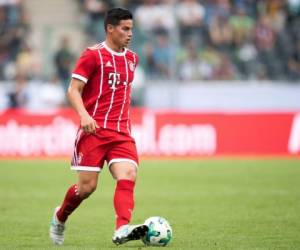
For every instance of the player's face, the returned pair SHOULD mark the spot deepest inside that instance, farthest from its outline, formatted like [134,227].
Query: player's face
[122,33]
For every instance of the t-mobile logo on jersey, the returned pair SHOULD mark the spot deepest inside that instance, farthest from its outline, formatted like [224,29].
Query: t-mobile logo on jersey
[114,79]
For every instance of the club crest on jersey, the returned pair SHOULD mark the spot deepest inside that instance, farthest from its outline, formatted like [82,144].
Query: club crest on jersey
[131,65]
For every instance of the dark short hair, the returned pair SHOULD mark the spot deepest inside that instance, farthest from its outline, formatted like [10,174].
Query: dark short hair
[115,15]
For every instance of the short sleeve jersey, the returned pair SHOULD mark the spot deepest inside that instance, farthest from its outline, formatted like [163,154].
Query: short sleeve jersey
[108,76]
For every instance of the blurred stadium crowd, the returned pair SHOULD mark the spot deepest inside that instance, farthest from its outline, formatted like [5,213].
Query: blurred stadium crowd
[183,40]
[211,39]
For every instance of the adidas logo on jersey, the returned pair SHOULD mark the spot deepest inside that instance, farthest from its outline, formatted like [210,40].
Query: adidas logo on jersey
[108,64]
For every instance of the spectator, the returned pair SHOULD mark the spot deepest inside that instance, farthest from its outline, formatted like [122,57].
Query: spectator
[147,53]
[190,63]
[28,63]
[162,55]
[265,39]
[293,19]
[238,38]
[264,34]
[20,29]
[225,70]
[221,33]
[294,64]
[19,96]
[250,6]
[210,59]
[242,25]
[13,31]
[159,56]
[5,37]
[294,7]
[275,11]
[190,15]
[246,60]
[64,59]
[217,8]
[95,11]
[252,39]
[152,16]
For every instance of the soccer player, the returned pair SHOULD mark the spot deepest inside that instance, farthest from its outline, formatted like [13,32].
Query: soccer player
[100,92]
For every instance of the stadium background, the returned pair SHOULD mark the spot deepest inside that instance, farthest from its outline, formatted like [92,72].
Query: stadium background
[217,88]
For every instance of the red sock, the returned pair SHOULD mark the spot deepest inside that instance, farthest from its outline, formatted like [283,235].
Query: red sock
[124,202]
[70,203]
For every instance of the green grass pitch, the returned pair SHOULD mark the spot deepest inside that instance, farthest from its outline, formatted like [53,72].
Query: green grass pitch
[210,203]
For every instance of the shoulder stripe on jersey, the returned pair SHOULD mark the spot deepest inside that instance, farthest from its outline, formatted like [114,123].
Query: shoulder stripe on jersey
[96,46]
[79,77]
[112,95]
[129,50]
[101,81]
[125,92]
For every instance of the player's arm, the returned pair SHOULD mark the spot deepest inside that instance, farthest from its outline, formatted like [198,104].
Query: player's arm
[87,123]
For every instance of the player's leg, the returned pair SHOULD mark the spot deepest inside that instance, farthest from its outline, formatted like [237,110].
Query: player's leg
[125,175]
[87,160]
[123,164]
[86,185]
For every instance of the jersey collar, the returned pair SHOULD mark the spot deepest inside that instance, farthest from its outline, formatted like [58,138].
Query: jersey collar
[114,52]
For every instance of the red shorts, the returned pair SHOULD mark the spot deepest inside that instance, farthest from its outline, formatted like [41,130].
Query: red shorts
[91,150]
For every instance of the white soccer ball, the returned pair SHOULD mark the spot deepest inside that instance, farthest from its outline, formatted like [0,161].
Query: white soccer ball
[159,233]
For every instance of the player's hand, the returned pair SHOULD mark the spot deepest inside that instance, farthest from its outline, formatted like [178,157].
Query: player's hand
[88,124]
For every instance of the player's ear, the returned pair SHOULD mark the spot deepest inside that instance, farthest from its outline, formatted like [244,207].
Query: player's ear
[109,28]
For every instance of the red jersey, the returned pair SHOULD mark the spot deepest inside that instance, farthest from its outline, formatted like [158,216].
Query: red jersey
[108,76]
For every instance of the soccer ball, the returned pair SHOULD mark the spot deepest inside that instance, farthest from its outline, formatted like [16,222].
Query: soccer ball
[159,233]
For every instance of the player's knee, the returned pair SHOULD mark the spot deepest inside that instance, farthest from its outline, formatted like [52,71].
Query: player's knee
[122,171]
[86,189]
[130,174]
